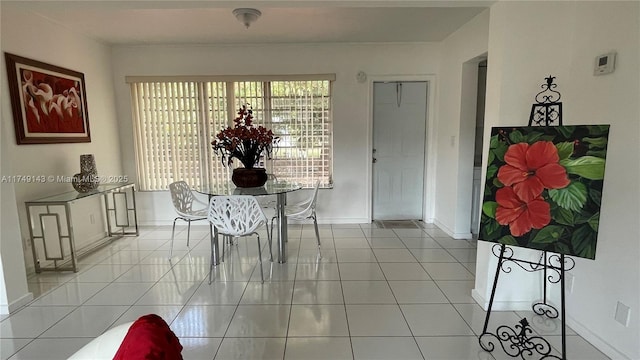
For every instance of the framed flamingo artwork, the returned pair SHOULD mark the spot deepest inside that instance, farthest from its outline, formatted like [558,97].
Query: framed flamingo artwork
[49,102]
[544,188]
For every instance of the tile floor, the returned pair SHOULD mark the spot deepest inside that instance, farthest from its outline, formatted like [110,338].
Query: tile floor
[375,294]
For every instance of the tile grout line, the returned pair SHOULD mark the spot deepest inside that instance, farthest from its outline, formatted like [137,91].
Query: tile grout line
[295,276]
[344,300]
[400,308]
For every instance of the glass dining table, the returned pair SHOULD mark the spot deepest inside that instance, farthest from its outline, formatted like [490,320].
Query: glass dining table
[271,187]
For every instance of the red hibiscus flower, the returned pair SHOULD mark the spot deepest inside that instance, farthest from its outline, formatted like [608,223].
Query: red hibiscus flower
[520,215]
[531,169]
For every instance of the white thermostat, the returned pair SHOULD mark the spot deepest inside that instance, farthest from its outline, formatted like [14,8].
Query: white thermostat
[605,64]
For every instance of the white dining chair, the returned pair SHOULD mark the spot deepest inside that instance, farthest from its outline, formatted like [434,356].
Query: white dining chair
[183,203]
[238,216]
[268,202]
[303,210]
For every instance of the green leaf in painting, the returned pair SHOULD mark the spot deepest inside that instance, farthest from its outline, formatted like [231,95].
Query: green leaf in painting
[492,156]
[599,142]
[565,149]
[500,150]
[561,248]
[572,197]
[548,234]
[508,240]
[598,130]
[583,217]
[489,208]
[493,143]
[597,153]
[563,216]
[565,131]
[533,137]
[548,138]
[596,196]
[516,136]
[490,231]
[583,241]
[491,171]
[497,183]
[594,221]
[589,167]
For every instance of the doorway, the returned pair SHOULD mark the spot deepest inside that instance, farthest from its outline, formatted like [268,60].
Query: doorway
[399,139]
[476,191]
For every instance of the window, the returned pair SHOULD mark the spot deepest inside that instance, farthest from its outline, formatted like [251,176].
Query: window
[175,121]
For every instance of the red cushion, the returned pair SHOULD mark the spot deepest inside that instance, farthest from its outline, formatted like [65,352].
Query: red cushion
[149,338]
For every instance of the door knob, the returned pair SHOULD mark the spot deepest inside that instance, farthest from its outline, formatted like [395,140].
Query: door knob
[375,160]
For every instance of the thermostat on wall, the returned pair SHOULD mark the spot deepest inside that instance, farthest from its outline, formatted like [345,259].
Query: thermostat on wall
[605,64]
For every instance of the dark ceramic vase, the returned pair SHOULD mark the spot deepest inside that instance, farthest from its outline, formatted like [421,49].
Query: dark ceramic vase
[87,179]
[247,178]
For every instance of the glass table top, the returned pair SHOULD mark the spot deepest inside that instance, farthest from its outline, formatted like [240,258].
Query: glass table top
[74,195]
[272,187]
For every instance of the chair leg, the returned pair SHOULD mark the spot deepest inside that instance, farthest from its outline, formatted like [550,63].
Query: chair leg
[173,232]
[315,225]
[211,263]
[188,232]
[260,257]
[269,237]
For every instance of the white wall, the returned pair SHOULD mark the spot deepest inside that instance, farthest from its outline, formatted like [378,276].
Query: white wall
[527,42]
[13,285]
[33,37]
[349,200]
[456,124]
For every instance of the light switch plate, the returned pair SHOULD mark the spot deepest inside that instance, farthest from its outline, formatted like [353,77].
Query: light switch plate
[622,314]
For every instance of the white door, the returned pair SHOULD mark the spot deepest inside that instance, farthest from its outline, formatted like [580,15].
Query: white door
[399,121]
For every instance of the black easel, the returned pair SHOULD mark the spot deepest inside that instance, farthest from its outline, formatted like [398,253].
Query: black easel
[517,341]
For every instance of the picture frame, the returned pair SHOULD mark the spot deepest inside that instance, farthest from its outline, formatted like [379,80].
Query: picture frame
[544,186]
[49,102]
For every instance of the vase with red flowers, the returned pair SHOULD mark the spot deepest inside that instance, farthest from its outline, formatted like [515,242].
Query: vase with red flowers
[248,143]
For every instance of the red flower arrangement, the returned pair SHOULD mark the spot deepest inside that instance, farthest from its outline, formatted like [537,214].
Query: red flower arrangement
[244,141]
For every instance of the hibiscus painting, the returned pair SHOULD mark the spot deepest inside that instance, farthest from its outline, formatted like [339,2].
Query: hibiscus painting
[543,188]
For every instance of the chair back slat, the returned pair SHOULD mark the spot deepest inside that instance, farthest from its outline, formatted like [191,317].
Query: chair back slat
[236,215]
[182,197]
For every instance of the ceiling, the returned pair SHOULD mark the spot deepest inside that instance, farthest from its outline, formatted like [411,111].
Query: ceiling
[211,21]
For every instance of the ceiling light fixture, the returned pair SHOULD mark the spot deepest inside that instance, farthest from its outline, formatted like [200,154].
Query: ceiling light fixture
[247,16]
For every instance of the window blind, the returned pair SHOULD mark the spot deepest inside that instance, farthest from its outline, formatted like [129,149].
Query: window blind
[175,122]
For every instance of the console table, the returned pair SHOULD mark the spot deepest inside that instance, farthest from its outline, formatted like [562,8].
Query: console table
[50,223]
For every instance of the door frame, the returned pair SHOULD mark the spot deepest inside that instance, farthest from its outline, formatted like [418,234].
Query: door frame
[428,201]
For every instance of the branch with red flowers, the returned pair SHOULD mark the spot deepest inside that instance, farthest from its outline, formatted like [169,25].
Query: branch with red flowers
[244,141]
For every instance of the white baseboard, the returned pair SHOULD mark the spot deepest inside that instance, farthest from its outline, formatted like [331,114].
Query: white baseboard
[158,223]
[453,234]
[17,304]
[465,236]
[443,227]
[500,305]
[594,339]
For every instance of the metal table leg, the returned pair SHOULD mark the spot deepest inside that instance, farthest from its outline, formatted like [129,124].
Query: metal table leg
[72,238]
[281,201]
